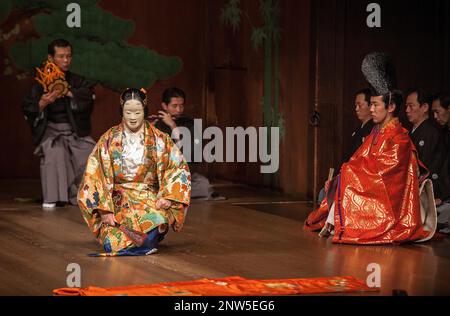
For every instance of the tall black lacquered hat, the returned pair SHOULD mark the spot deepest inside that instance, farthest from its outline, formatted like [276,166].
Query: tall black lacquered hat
[379,71]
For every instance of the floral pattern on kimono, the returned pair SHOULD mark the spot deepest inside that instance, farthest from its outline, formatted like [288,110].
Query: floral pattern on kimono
[164,174]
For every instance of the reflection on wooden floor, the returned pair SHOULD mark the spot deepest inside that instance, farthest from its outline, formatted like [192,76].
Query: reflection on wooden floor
[246,235]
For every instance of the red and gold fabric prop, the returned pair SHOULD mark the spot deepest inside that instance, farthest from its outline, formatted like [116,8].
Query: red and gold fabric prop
[52,79]
[230,286]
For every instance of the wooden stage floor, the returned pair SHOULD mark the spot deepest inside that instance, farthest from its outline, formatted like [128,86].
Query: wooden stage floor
[247,235]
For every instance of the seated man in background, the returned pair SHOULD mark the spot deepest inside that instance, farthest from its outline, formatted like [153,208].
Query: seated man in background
[375,198]
[362,111]
[424,134]
[168,120]
[441,111]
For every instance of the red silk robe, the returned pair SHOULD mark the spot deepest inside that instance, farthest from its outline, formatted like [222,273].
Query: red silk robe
[376,194]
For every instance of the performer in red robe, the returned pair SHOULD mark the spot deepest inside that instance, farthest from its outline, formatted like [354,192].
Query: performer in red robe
[375,198]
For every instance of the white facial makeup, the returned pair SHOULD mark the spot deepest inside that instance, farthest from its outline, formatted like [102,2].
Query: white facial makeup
[133,115]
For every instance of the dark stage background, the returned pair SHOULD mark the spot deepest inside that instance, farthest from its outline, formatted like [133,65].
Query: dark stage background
[322,45]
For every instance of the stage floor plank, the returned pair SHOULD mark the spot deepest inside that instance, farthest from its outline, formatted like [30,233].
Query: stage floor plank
[262,240]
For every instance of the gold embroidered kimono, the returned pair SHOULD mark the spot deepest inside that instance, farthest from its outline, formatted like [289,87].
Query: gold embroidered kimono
[163,174]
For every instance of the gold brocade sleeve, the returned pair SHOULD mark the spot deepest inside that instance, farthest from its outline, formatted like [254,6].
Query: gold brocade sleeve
[95,192]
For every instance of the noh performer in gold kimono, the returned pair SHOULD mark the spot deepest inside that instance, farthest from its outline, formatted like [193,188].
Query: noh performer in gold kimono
[136,185]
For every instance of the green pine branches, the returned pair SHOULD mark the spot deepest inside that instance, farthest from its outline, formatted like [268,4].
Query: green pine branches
[101,51]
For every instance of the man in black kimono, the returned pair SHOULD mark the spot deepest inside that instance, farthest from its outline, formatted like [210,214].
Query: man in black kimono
[172,116]
[362,111]
[168,120]
[60,126]
[424,134]
[441,111]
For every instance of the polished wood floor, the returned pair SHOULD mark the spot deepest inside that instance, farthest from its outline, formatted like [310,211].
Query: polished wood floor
[253,234]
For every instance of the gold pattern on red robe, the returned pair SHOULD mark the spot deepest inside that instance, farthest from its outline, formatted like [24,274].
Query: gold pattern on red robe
[377,193]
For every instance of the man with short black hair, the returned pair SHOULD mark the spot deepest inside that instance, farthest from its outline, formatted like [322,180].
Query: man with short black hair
[60,124]
[424,134]
[441,111]
[168,120]
[440,107]
[362,111]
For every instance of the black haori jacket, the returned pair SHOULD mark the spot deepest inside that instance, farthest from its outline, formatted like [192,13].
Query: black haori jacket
[77,109]
[428,142]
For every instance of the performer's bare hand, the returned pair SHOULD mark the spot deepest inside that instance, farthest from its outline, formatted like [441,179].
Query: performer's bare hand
[437,202]
[108,218]
[47,99]
[167,119]
[163,204]
[69,94]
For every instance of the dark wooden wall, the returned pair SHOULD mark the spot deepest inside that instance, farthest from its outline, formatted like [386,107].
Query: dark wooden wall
[323,44]
[236,89]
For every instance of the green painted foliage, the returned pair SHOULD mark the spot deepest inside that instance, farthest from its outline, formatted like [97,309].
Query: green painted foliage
[231,15]
[6,7]
[258,37]
[96,25]
[49,4]
[268,36]
[101,53]
[110,64]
